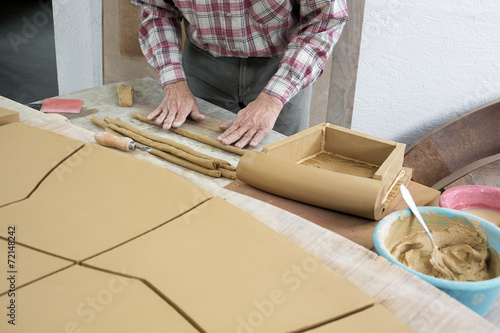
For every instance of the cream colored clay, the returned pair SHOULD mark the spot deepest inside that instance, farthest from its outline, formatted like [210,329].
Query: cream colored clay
[464,251]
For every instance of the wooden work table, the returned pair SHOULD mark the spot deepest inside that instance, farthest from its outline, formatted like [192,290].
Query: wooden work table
[103,101]
[420,305]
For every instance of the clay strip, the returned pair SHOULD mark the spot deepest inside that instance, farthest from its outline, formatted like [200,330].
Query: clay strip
[186,164]
[228,167]
[228,173]
[182,156]
[194,136]
[172,143]
[104,125]
[109,124]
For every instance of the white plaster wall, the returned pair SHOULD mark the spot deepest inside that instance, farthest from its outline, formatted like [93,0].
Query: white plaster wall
[78,37]
[423,63]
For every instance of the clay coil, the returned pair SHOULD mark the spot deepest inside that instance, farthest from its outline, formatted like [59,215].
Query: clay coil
[194,136]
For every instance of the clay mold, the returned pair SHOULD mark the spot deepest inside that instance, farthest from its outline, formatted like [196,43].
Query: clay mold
[331,167]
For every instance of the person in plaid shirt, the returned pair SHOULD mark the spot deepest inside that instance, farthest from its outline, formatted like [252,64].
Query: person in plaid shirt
[256,58]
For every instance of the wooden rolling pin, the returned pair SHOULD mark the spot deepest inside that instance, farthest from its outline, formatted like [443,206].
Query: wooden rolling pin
[123,143]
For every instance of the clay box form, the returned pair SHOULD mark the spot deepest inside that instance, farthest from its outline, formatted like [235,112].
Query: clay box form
[331,167]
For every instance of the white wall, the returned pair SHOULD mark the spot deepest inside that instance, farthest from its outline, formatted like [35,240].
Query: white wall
[423,63]
[78,37]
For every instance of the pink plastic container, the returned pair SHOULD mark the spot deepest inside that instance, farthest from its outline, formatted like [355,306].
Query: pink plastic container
[482,201]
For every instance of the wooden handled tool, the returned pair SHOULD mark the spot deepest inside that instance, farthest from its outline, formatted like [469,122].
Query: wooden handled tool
[123,143]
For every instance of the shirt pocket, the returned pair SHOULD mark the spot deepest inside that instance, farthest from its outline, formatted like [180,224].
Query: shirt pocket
[270,12]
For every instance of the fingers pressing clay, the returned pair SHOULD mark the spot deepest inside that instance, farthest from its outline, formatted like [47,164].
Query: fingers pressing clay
[194,136]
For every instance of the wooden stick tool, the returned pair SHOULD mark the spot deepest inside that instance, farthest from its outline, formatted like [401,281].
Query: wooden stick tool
[126,144]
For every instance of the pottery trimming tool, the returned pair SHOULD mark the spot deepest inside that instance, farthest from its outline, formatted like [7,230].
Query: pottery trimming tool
[126,144]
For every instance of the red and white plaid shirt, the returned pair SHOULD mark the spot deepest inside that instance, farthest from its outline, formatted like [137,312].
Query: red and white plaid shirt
[301,33]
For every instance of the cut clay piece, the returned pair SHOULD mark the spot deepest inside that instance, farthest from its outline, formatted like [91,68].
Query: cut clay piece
[8,116]
[229,272]
[97,199]
[80,299]
[26,265]
[125,95]
[330,167]
[28,155]
[375,319]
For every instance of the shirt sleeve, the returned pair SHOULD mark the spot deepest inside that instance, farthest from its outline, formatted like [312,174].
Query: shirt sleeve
[321,23]
[160,39]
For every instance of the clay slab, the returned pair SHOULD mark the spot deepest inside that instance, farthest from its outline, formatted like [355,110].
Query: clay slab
[79,299]
[28,155]
[8,116]
[98,198]
[28,265]
[375,319]
[227,271]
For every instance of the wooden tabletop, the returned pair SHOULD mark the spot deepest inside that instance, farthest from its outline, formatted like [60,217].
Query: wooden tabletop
[420,305]
[103,101]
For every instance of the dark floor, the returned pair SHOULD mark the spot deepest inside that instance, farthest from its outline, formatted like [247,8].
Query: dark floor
[27,51]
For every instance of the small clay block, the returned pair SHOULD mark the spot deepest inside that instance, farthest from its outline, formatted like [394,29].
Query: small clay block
[125,95]
[8,116]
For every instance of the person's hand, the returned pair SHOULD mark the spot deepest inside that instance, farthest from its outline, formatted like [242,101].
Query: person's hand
[178,103]
[253,122]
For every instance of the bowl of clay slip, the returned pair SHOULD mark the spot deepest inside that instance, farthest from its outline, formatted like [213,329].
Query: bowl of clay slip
[395,231]
[482,201]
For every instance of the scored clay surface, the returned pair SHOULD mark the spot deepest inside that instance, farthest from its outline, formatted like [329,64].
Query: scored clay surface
[97,199]
[229,272]
[8,116]
[28,155]
[375,319]
[27,265]
[80,299]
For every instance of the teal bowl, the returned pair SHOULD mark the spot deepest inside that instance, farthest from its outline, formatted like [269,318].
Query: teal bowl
[478,296]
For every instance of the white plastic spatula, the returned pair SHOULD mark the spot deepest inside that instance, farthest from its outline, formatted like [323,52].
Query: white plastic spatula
[436,258]
[413,207]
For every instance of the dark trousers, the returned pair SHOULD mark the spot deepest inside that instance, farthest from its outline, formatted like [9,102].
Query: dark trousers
[232,83]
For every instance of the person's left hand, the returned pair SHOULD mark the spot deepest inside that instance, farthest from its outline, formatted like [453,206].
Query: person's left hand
[253,122]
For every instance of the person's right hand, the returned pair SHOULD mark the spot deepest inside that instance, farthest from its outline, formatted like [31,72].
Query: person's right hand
[178,103]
